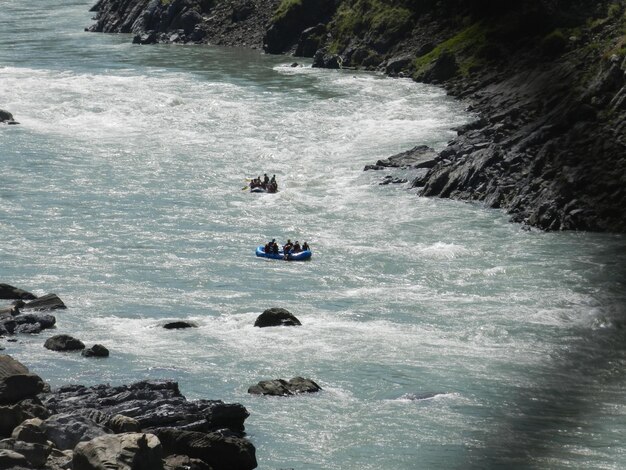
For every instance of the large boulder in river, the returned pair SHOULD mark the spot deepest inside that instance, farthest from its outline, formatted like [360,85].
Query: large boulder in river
[276,317]
[44,320]
[128,451]
[280,387]
[222,451]
[10,292]
[6,117]
[45,302]
[64,343]
[16,382]
[97,350]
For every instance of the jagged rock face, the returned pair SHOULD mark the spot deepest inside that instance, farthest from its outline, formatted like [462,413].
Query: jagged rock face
[152,404]
[232,23]
[66,430]
[543,152]
[289,24]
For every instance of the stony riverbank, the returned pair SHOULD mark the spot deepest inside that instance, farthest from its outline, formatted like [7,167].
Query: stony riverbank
[546,80]
[145,425]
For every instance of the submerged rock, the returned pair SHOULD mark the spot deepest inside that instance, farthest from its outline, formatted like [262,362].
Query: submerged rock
[280,387]
[97,350]
[176,325]
[276,317]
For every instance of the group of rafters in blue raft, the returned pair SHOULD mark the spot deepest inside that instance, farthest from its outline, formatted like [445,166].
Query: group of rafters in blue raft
[289,251]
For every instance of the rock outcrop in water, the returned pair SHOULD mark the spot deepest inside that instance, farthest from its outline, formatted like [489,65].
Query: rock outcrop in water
[546,79]
[13,320]
[276,317]
[283,388]
[147,425]
[6,117]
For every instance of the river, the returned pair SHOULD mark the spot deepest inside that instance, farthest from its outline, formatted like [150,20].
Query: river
[443,336]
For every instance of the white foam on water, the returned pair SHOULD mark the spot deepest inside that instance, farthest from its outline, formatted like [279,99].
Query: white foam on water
[122,190]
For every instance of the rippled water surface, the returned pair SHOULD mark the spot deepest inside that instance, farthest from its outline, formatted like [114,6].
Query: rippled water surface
[443,336]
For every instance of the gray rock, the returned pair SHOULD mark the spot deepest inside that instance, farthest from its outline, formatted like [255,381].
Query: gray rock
[146,38]
[66,430]
[30,430]
[10,418]
[45,302]
[16,382]
[121,424]
[276,317]
[219,451]
[443,68]
[63,343]
[310,41]
[97,350]
[28,329]
[281,387]
[179,325]
[10,292]
[322,59]
[184,462]
[12,459]
[128,451]
[44,320]
[398,64]
[153,404]
[420,156]
[35,453]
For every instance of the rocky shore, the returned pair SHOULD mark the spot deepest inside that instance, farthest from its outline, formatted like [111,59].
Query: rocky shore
[546,80]
[146,425]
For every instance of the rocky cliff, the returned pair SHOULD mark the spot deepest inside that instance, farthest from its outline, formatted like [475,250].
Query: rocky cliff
[546,77]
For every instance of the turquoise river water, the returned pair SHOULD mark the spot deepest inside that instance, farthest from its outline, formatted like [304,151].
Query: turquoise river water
[121,191]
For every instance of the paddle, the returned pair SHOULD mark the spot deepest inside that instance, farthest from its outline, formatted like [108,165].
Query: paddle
[244,188]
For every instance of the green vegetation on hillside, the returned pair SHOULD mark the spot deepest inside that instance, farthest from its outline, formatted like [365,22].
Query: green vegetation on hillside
[284,8]
[382,20]
[467,43]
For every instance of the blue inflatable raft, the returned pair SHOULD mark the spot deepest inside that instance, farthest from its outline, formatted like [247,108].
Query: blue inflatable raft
[300,256]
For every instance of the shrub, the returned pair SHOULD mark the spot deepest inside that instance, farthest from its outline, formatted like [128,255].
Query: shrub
[554,44]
